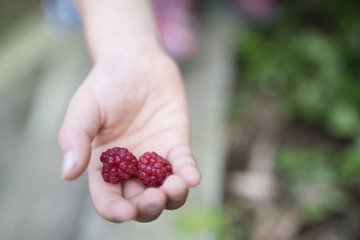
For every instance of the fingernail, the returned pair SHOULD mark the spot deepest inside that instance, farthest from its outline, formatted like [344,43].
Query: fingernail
[68,163]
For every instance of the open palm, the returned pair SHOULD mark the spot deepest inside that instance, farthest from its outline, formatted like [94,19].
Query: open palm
[140,105]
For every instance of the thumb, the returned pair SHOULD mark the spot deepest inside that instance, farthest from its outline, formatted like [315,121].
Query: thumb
[79,128]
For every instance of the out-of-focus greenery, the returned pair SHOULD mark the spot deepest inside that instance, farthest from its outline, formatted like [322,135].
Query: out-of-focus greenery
[198,220]
[201,219]
[314,180]
[308,58]
[12,11]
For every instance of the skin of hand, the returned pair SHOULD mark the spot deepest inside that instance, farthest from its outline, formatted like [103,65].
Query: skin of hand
[137,100]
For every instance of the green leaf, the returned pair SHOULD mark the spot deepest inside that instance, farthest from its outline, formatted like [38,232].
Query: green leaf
[314,213]
[350,163]
[310,101]
[343,120]
[201,219]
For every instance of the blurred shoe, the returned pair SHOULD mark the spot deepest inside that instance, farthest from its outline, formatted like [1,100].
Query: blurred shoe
[176,22]
[61,17]
[257,10]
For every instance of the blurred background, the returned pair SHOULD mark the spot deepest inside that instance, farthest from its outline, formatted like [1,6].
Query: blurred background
[273,89]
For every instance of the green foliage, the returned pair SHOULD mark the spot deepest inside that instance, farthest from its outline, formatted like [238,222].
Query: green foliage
[200,220]
[319,164]
[308,57]
[314,213]
[350,164]
[343,120]
[302,163]
[312,71]
[313,177]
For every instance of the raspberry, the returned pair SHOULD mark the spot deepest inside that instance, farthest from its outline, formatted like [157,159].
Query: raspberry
[118,165]
[152,169]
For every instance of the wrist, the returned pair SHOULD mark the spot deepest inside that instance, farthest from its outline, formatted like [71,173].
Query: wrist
[126,50]
[119,28]
[140,60]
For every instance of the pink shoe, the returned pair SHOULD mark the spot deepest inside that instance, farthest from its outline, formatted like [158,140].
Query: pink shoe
[258,10]
[176,22]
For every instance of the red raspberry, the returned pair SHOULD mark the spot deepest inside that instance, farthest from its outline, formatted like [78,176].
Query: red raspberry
[118,165]
[152,169]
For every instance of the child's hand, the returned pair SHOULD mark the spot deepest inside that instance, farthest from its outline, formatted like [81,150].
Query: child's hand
[138,103]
